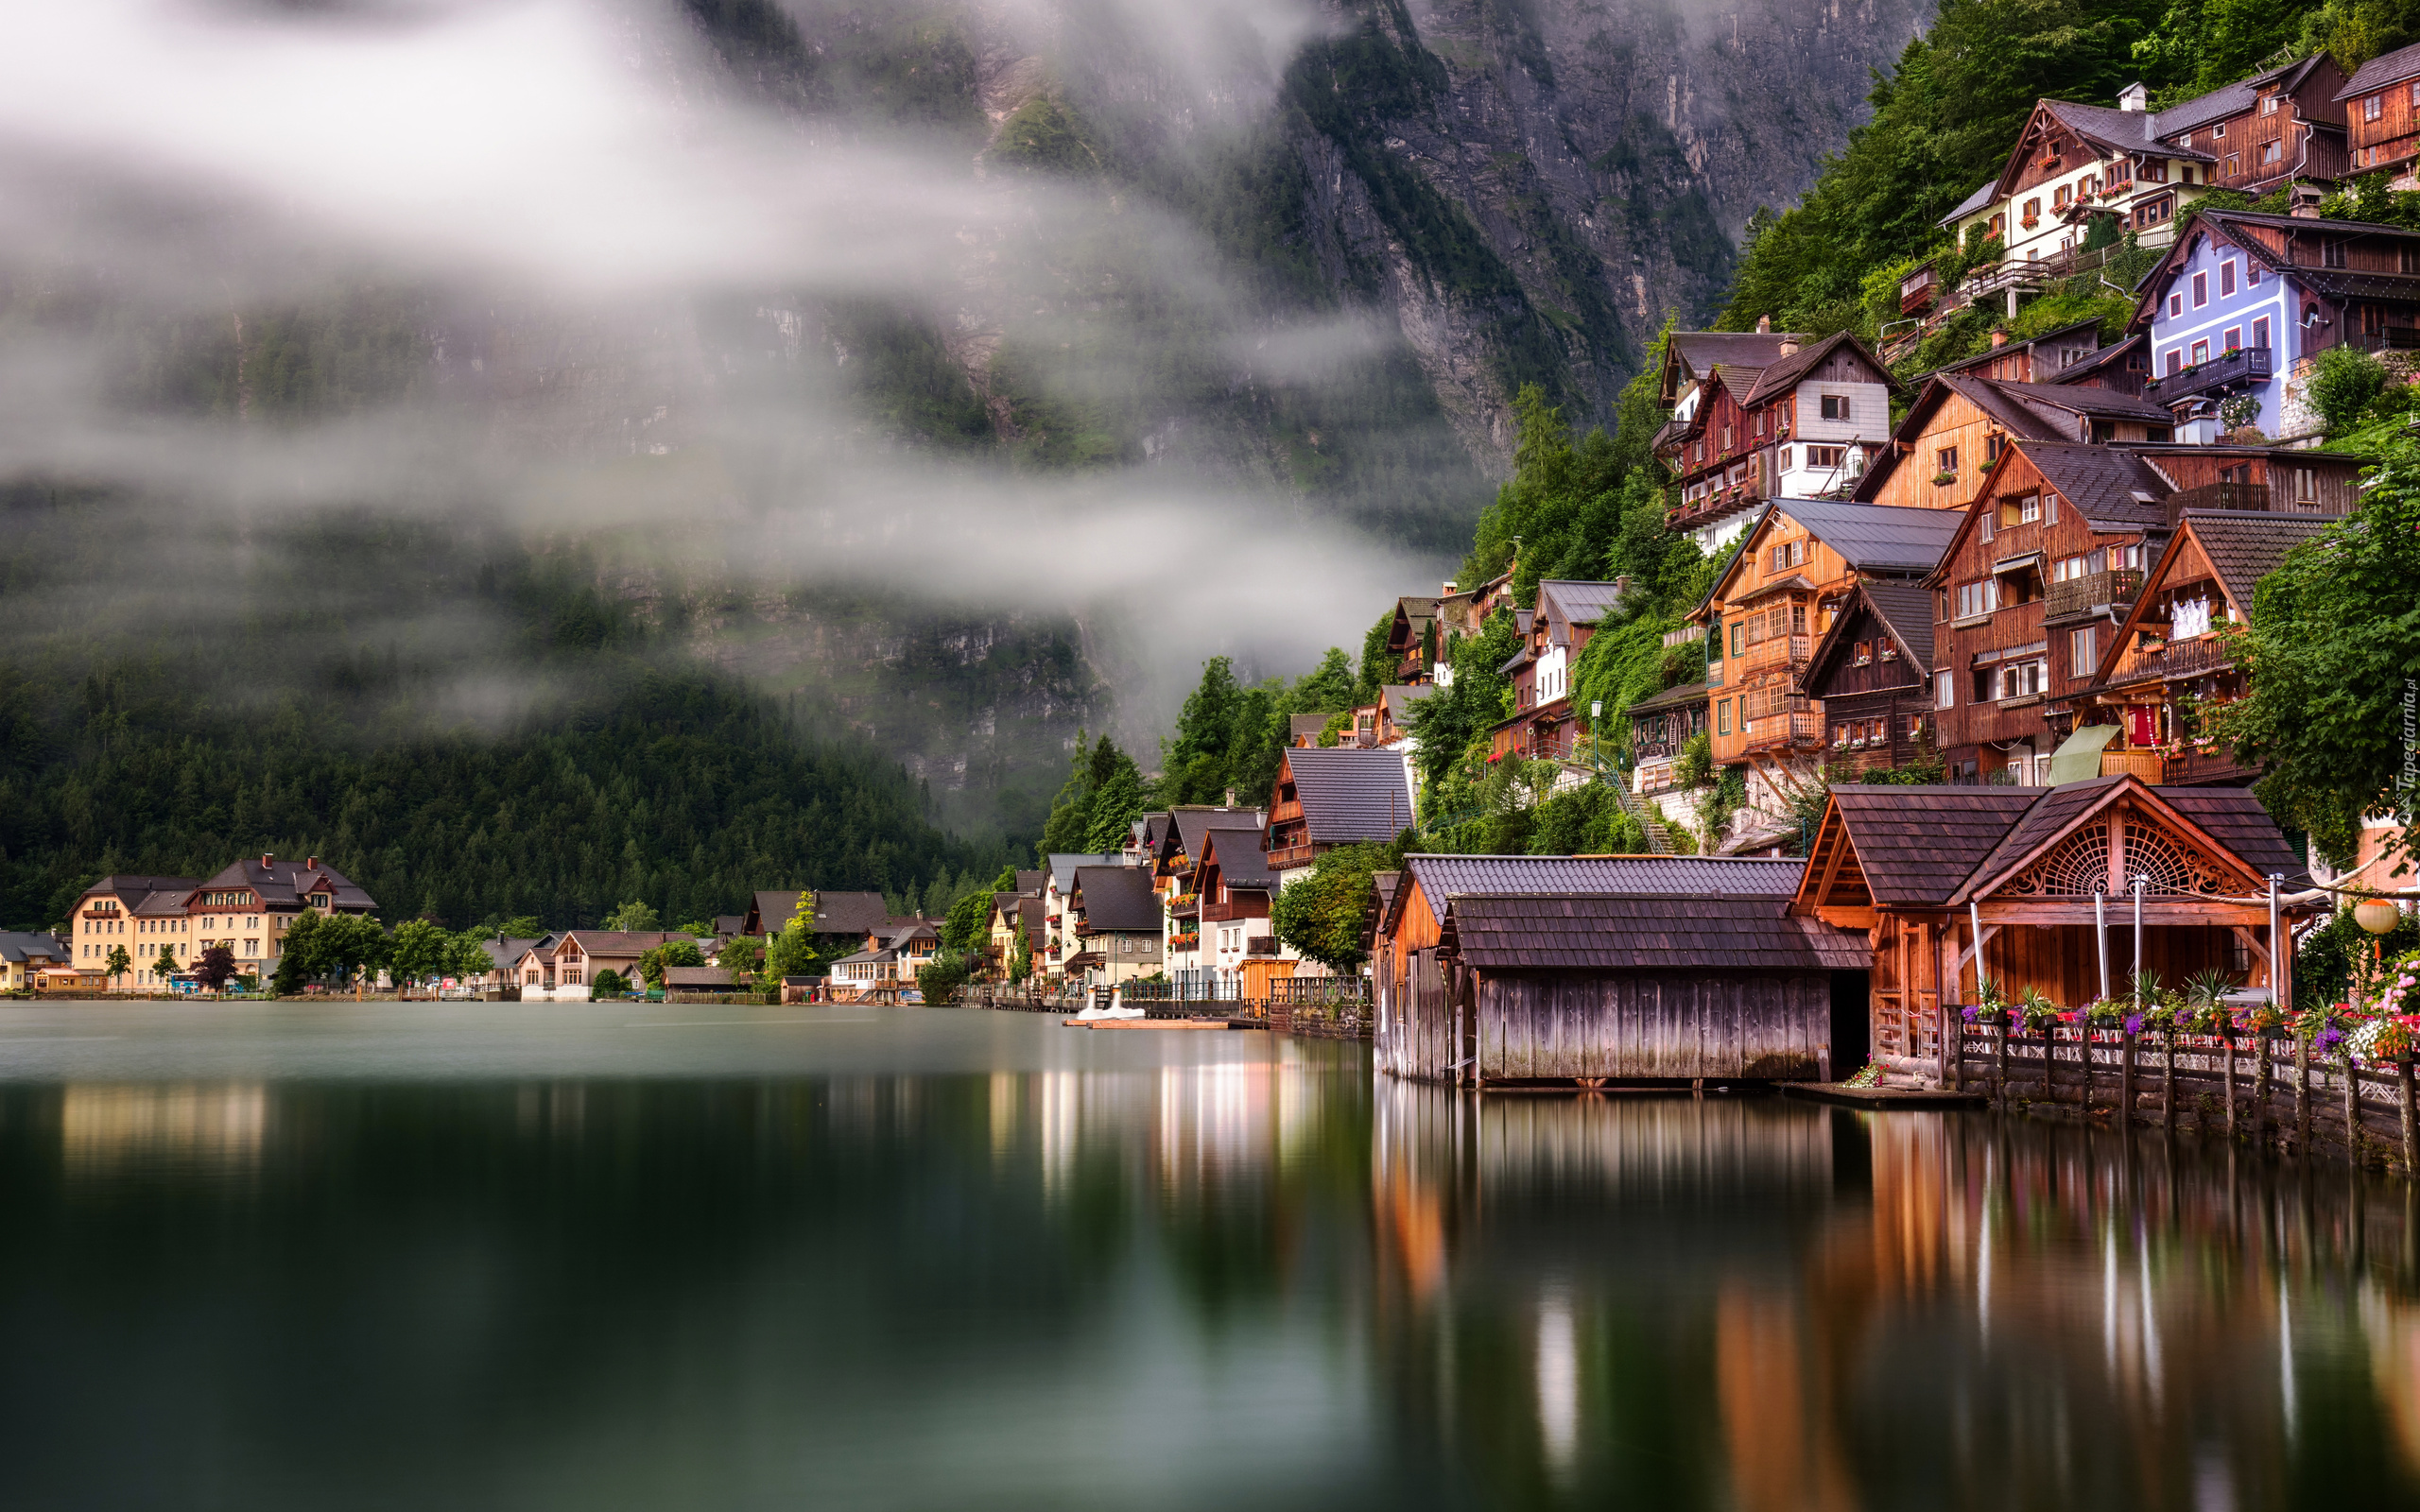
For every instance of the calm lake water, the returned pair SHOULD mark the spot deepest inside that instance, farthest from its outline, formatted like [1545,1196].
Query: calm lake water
[620,1256]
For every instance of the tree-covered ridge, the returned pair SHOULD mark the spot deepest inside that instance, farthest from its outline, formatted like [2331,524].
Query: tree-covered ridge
[468,731]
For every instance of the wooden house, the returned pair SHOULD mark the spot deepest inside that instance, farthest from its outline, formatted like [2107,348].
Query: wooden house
[2046,358]
[1116,923]
[1959,425]
[1660,727]
[2242,301]
[1497,969]
[1342,795]
[1414,639]
[1916,866]
[1236,884]
[1872,676]
[1776,598]
[1802,422]
[1175,867]
[2170,661]
[1543,722]
[2056,539]
[2285,123]
[2381,105]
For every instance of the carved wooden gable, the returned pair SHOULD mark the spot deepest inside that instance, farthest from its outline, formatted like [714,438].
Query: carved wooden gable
[2106,854]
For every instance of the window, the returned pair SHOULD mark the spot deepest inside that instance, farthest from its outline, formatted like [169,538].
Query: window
[1980,686]
[1759,428]
[1978,598]
[1993,445]
[2033,210]
[2068,569]
[2332,253]
[2273,152]
[2219,130]
[2059,198]
[2305,486]
[2201,289]
[2260,330]
[2268,103]
[1738,636]
[2226,278]
[2175,305]
[1822,457]
[2235,163]
[1726,438]
[1836,406]
[2372,106]
[2084,651]
[1723,717]
[1946,460]
[2023,680]
[1784,458]
[2201,353]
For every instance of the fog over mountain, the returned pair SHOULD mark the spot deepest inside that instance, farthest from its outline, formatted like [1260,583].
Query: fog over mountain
[971,370]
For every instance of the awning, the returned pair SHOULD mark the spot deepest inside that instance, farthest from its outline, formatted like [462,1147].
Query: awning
[2077,758]
[2010,564]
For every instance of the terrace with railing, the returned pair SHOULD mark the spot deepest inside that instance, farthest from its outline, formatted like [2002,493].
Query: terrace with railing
[2092,593]
[1779,651]
[2236,368]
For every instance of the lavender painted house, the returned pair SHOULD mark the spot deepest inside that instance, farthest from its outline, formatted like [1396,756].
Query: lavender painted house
[2243,302]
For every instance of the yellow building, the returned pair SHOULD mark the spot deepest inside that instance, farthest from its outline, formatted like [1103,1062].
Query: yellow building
[248,907]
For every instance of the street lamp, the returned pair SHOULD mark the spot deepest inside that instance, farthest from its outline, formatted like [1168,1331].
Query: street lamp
[1597,736]
[2378,916]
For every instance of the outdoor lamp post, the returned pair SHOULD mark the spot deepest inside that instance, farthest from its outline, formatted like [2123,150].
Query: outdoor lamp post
[1597,736]
[2136,886]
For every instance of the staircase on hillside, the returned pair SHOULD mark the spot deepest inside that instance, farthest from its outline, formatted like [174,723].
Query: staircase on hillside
[1659,839]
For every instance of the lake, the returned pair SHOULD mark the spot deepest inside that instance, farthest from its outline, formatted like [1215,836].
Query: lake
[608,1256]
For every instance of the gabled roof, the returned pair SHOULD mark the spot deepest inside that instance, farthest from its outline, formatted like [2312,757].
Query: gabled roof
[287,884]
[2234,817]
[2065,808]
[1240,860]
[131,888]
[1351,796]
[1297,726]
[2095,404]
[2120,131]
[2232,99]
[2402,63]
[1566,603]
[1444,877]
[1696,354]
[1193,825]
[1984,196]
[1686,694]
[2103,482]
[1609,933]
[2242,548]
[1915,845]
[1063,865]
[1876,536]
[2336,282]
[1783,374]
[1030,884]
[1904,609]
[843,913]
[32,945]
[503,951]
[615,942]
[1395,696]
[2111,356]
[704,978]
[1117,899]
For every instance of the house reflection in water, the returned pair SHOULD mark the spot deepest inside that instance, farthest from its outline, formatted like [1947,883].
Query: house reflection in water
[213,1125]
[1760,1304]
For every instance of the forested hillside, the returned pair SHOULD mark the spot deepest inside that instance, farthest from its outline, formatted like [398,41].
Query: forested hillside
[1946,113]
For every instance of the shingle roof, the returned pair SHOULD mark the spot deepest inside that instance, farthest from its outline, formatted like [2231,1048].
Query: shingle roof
[2229,99]
[1297,726]
[2127,131]
[2234,817]
[1907,609]
[21,945]
[1030,884]
[1193,825]
[2244,547]
[1242,861]
[1972,202]
[841,913]
[1876,537]
[2020,418]
[287,882]
[2048,813]
[1604,933]
[1702,350]
[1117,897]
[1063,865]
[2102,482]
[1784,372]
[620,942]
[1351,796]
[1740,378]
[1441,876]
[134,888]
[2100,403]
[2073,375]
[701,977]
[1915,845]
[1688,693]
[2379,72]
[502,951]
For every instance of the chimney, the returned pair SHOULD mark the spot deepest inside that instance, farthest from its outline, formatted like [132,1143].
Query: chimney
[2134,98]
[1764,325]
[1231,797]
[267,860]
[1789,346]
[1621,583]
[2000,337]
[1449,588]
[313,864]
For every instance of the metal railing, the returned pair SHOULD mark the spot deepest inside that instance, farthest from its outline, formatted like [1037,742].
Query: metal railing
[2241,365]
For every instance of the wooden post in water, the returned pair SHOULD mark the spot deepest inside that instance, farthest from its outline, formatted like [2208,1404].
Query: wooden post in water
[2226,1037]
[2411,1124]
[2301,1097]
[2167,1079]
[2126,1079]
[2000,1092]
[2263,1045]
[2352,1115]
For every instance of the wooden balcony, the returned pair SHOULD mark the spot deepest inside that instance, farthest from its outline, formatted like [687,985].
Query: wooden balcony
[1232,909]
[2254,497]
[1781,651]
[2238,369]
[1790,731]
[1185,904]
[2146,764]
[1286,858]
[2092,593]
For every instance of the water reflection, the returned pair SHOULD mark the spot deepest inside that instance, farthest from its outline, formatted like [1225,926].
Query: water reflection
[1094,1276]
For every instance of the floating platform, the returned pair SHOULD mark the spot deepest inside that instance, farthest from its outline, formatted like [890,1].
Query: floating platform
[1881,1098]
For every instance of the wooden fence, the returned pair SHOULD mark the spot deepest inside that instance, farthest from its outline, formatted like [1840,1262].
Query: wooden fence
[2272,1090]
[1335,1013]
